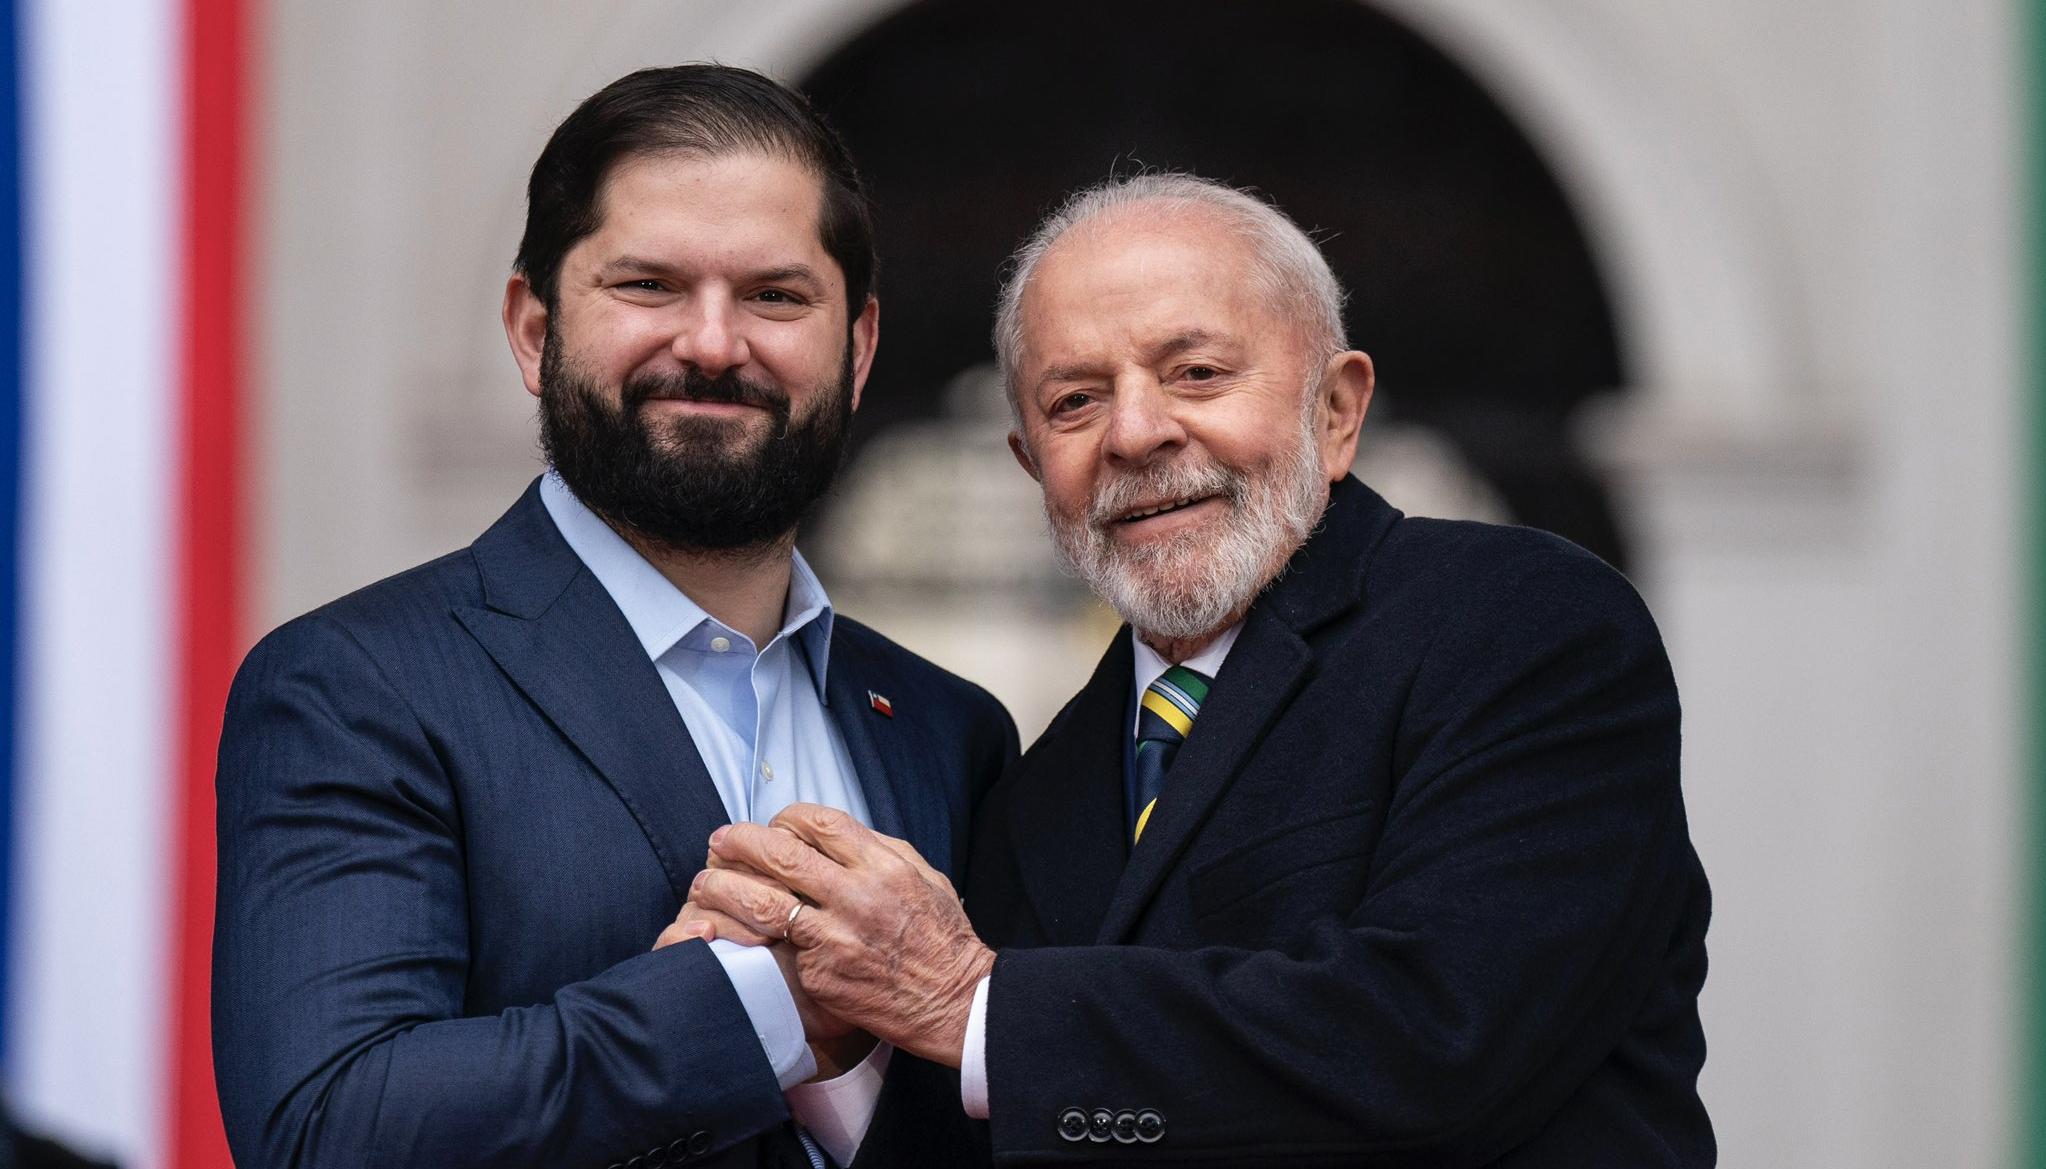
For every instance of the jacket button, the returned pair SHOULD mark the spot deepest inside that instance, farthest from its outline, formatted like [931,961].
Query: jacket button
[1072,1126]
[1150,1126]
[1126,1127]
[699,1143]
[1101,1126]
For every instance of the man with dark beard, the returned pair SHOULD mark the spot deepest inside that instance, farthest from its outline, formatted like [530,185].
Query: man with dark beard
[457,808]
[1363,846]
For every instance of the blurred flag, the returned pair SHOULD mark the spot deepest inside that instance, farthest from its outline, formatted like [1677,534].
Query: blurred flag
[120,390]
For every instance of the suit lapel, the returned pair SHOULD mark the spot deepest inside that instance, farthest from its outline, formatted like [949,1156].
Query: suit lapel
[1068,826]
[1266,667]
[886,768]
[1263,671]
[554,631]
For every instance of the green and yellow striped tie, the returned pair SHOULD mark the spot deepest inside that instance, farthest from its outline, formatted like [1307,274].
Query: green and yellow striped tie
[1164,718]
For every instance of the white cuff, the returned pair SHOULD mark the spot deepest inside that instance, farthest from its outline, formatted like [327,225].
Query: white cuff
[973,1057]
[771,1009]
[837,1111]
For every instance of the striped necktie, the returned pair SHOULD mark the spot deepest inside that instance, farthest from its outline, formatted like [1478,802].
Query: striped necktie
[1164,718]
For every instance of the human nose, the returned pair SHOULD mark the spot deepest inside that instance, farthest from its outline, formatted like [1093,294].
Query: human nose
[1141,423]
[710,336]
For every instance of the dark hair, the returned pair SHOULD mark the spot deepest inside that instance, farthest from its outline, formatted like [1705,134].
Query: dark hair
[703,109]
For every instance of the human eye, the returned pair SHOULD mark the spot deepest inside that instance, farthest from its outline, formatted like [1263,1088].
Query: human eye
[1071,402]
[1200,373]
[779,302]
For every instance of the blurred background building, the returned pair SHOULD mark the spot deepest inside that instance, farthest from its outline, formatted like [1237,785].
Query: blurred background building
[1735,294]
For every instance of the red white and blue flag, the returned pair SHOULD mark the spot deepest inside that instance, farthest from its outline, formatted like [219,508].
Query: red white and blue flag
[121,308]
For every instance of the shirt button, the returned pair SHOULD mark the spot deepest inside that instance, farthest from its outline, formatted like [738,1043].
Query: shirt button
[767,769]
[720,644]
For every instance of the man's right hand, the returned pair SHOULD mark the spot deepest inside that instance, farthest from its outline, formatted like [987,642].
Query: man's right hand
[837,1046]
[694,921]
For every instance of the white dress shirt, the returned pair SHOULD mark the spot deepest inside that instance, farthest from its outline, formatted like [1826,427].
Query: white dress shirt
[1148,664]
[757,716]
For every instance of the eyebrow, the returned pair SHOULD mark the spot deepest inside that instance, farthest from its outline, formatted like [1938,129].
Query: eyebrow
[1077,372]
[624,264]
[785,273]
[1172,346]
[780,273]
[1184,340]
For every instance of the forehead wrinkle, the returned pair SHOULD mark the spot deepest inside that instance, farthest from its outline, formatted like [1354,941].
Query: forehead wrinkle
[1207,226]
[1120,254]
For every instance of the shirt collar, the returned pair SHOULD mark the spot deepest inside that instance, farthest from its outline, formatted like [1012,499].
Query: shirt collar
[1208,662]
[660,614]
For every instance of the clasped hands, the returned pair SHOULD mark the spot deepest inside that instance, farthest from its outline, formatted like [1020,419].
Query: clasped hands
[870,937]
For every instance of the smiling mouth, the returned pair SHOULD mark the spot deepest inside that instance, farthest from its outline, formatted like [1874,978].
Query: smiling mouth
[693,401]
[1166,508]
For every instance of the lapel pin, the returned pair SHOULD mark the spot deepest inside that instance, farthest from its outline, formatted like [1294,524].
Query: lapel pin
[881,704]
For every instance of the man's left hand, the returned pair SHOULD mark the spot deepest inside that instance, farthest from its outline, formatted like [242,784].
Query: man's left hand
[881,939]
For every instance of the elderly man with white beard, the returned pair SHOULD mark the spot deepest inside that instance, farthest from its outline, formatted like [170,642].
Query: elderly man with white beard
[1365,842]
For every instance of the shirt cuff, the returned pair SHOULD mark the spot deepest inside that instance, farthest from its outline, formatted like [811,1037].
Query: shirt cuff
[973,1057]
[837,1111]
[770,1008]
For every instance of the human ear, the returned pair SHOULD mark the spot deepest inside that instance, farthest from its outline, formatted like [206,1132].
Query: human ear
[1021,450]
[866,338]
[525,326]
[1345,392]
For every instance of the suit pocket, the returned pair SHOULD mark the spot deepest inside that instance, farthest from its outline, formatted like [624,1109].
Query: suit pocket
[1292,874]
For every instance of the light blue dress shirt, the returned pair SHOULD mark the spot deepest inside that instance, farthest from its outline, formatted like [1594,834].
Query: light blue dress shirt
[756,714]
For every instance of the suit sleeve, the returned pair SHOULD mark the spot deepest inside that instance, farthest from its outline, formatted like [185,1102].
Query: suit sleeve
[1533,863]
[341,954]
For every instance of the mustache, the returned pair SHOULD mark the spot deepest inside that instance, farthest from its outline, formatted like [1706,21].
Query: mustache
[691,385]
[1175,480]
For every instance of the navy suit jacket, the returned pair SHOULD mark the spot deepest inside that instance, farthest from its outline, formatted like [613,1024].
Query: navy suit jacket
[1418,890]
[455,810]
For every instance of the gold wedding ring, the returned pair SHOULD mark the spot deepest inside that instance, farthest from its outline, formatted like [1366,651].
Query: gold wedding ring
[791,922]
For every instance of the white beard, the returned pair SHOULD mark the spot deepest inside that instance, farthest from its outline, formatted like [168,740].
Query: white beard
[1195,582]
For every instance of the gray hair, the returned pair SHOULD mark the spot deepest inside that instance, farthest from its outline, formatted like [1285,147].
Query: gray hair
[1289,269]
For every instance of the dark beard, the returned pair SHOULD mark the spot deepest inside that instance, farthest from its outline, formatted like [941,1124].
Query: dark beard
[688,487]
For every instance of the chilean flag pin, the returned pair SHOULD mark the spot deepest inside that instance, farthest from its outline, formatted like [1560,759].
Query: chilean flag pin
[881,704]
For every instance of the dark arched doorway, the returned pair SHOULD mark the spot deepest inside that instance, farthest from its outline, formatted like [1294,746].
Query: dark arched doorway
[1471,279]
